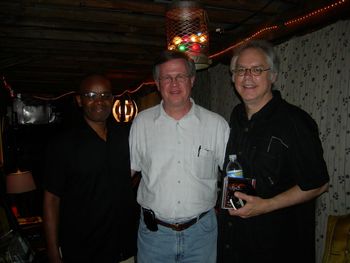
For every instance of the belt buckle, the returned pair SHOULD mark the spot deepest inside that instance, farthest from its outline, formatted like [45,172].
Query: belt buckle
[177,227]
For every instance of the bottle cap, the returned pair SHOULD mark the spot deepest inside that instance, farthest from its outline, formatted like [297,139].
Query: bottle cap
[232,157]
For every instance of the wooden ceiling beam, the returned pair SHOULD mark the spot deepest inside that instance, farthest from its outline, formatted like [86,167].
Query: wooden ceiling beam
[117,13]
[66,24]
[34,33]
[24,44]
[52,53]
[143,7]
[82,14]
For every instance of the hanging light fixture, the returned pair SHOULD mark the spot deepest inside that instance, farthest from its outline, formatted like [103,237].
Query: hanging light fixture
[187,31]
[124,109]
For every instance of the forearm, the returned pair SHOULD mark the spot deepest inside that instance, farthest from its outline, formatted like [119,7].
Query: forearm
[51,224]
[295,196]
[257,206]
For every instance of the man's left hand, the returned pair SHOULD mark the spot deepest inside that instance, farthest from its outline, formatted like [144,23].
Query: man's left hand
[254,206]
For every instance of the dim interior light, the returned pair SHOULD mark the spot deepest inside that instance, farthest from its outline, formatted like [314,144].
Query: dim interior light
[195,42]
[124,110]
[187,30]
[204,38]
[177,40]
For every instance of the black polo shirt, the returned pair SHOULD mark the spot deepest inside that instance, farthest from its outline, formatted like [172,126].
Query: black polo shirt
[279,147]
[92,178]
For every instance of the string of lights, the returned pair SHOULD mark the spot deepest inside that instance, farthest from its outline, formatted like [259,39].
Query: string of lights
[54,98]
[292,22]
[287,23]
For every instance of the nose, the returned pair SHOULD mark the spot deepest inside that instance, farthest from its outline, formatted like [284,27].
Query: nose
[99,99]
[248,72]
[174,81]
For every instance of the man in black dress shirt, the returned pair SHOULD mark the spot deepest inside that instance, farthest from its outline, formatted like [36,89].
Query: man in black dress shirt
[278,145]
[89,206]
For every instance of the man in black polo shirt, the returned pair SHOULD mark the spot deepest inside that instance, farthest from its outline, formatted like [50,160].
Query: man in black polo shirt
[278,145]
[89,206]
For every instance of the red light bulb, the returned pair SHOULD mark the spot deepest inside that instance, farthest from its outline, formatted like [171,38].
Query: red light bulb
[186,39]
[196,47]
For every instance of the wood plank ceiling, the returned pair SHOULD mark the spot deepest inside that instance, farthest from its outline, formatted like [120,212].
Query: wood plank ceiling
[47,45]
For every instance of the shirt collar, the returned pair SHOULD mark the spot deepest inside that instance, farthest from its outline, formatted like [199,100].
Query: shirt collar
[270,107]
[193,113]
[265,111]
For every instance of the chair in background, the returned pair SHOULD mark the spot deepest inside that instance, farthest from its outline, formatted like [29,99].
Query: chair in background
[337,248]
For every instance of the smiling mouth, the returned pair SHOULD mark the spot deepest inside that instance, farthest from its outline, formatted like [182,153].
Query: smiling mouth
[249,86]
[175,92]
[100,109]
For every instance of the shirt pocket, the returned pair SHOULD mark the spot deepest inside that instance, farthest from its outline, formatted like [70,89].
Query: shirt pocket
[269,160]
[203,163]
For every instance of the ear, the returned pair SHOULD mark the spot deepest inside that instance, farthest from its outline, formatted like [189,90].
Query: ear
[157,84]
[273,77]
[233,78]
[192,80]
[78,99]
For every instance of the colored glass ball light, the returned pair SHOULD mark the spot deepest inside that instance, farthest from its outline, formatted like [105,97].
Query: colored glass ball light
[196,47]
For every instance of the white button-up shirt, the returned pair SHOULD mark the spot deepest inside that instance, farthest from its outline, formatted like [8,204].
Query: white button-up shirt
[178,159]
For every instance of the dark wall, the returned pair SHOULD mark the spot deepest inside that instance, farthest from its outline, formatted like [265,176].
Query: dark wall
[24,145]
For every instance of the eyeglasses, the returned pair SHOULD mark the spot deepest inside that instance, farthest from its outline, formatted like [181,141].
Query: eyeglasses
[255,71]
[94,95]
[180,78]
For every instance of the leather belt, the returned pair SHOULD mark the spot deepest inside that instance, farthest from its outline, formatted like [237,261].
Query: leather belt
[181,226]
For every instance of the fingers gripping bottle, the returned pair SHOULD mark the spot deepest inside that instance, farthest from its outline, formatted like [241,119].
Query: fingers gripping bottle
[234,181]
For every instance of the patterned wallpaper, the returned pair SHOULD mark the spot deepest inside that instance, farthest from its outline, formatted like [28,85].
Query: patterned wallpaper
[214,90]
[314,75]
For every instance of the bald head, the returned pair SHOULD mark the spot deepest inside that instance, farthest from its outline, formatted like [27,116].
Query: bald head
[95,98]
[94,80]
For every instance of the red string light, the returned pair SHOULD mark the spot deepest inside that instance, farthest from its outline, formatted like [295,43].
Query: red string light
[259,32]
[8,87]
[287,23]
[314,13]
[267,29]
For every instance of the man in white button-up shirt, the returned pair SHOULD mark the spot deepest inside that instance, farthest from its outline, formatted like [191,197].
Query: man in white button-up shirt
[178,146]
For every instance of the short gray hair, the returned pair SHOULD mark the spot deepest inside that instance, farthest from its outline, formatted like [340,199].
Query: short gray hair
[168,55]
[265,47]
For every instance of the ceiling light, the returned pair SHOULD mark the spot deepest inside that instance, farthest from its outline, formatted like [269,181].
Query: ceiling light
[187,31]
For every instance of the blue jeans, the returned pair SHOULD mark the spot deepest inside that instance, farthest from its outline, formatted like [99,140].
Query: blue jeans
[194,244]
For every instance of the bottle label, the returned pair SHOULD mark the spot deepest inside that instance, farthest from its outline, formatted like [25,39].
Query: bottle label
[235,173]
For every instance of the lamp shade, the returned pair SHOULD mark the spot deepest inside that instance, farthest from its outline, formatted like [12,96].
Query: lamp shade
[187,31]
[19,182]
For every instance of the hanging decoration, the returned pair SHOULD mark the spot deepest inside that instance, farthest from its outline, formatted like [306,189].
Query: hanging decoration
[173,13]
[124,109]
[187,31]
